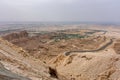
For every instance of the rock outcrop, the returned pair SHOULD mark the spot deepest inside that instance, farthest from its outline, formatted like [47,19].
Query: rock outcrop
[8,75]
[13,36]
[87,66]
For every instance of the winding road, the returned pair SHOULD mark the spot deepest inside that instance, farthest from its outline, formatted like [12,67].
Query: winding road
[96,50]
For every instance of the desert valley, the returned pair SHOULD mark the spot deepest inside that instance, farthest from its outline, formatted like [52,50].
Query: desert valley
[61,52]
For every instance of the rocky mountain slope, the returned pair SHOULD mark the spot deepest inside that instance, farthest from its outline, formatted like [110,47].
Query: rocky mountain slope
[103,65]
[19,62]
[93,58]
[8,75]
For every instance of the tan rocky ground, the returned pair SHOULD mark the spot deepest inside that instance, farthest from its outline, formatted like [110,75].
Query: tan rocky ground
[88,66]
[45,47]
[20,62]
[8,75]
[43,58]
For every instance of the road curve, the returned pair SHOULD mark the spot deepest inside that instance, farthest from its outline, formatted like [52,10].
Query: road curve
[99,49]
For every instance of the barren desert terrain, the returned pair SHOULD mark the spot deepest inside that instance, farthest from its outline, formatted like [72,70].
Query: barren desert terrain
[77,53]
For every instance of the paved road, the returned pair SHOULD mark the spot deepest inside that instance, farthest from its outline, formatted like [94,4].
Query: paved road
[99,49]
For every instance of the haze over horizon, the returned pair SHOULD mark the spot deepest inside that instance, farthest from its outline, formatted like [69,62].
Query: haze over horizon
[62,10]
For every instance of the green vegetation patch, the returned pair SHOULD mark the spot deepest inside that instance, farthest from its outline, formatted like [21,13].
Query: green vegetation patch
[67,36]
[90,32]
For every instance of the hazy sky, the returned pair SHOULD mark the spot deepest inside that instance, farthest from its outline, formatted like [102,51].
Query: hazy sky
[60,10]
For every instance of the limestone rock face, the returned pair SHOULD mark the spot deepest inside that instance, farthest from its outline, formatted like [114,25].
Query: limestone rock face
[8,75]
[16,62]
[87,66]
